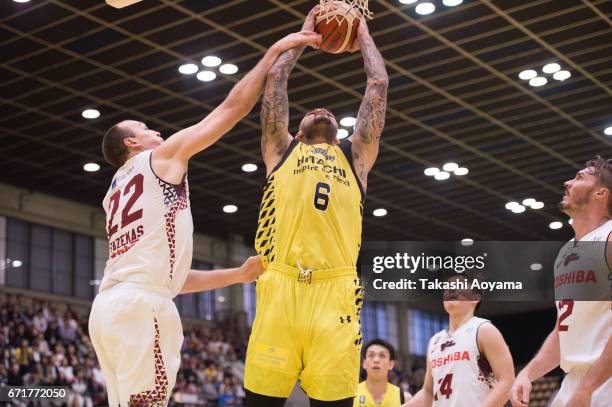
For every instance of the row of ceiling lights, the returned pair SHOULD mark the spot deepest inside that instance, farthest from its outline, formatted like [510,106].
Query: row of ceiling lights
[207,75]
[537,80]
[427,7]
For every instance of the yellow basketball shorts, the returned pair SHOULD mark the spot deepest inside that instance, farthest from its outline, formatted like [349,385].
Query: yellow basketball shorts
[306,327]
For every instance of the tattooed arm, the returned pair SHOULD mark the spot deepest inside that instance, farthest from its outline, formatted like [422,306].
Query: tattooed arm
[274,116]
[371,116]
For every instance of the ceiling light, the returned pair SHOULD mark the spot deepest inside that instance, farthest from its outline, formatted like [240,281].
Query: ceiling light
[431,171]
[211,61]
[21,1]
[188,69]
[467,241]
[536,267]
[570,221]
[228,69]
[562,75]
[342,133]
[551,68]
[451,3]
[461,171]
[555,225]
[249,167]
[538,81]
[442,175]
[90,114]
[529,201]
[206,76]
[608,131]
[221,298]
[528,74]
[425,8]
[450,167]
[16,263]
[511,205]
[230,208]
[91,167]
[379,212]
[518,209]
[348,121]
[537,205]
[408,1]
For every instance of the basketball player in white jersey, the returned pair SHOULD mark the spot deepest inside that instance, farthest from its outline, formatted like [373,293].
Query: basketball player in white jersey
[134,325]
[469,363]
[580,342]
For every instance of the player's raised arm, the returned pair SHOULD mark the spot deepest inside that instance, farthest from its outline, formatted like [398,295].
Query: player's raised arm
[275,137]
[371,116]
[170,159]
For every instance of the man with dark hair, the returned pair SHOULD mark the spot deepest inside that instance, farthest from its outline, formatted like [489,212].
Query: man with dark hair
[469,363]
[375,390]
[580,342]
[134,325]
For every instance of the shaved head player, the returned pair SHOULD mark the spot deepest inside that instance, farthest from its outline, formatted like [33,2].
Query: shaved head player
[134,325]
[309,233]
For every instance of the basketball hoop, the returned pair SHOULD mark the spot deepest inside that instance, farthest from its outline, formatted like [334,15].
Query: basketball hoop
[359,6]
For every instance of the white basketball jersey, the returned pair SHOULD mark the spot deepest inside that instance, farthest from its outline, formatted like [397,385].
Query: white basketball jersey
[149,228]
[462,377]
[581,271]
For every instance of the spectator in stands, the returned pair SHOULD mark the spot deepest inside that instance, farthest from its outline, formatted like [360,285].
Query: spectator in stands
[39,321]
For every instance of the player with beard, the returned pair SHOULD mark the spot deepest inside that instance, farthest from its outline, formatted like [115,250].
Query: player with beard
[469,363]
[580,342]
[309,234]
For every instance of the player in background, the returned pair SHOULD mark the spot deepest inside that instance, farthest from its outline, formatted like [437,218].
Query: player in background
[375,390]
[580,342]
[134,325]
[469,363]
[309,233]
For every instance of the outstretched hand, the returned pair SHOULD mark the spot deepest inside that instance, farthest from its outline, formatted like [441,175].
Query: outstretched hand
[250,269]
[309,22]
[299,39]
[362,32]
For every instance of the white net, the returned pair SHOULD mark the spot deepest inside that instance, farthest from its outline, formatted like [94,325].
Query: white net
[358,7]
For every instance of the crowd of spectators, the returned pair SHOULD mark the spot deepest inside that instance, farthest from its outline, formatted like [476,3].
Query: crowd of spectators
[42,344]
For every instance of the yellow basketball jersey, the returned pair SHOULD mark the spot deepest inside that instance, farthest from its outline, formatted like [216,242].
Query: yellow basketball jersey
[392,398]
[312,208]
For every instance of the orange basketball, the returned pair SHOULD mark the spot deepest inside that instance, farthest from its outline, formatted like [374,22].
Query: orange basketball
[338,27]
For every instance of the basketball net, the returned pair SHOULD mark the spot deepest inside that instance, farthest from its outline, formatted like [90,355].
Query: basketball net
[360,6]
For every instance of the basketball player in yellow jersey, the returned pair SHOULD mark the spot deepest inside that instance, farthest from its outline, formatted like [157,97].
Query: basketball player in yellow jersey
[375,390]
[309,234]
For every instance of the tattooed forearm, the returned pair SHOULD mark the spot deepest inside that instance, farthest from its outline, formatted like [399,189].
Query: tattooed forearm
[275,103]
[371,116]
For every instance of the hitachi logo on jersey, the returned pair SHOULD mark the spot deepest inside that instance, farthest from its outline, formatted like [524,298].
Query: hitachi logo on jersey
[304,162]
[450,358]
[576,277]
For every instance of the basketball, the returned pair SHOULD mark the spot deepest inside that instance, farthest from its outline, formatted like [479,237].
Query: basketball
[338,27]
